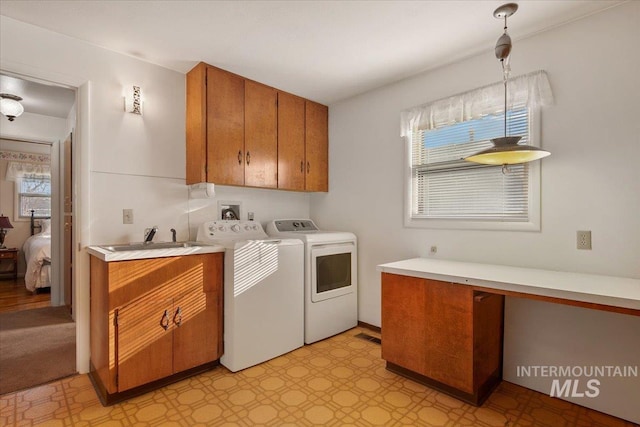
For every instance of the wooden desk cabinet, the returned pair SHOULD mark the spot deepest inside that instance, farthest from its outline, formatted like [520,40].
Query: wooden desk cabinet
[445,335]
[153,321]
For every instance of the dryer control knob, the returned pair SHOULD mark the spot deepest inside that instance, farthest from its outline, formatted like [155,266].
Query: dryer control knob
[235,228]
[212,227]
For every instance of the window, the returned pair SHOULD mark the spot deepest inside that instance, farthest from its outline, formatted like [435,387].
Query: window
[445,191]
[34,193]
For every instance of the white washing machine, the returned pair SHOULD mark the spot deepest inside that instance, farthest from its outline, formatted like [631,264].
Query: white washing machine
[330,277]
[263,292]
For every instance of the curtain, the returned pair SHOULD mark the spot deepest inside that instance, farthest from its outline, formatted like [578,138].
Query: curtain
[531,90]
[16,170]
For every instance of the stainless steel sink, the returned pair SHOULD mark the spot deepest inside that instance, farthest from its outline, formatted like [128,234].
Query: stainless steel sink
[151,246]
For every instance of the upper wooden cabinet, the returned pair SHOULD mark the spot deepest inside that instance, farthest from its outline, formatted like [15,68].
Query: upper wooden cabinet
[225,114]
[303,144]
[241,132]
[291,149]
[317,146]
[261,138]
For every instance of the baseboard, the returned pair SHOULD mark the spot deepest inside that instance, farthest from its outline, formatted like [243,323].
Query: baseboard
[369,326]
[108,399]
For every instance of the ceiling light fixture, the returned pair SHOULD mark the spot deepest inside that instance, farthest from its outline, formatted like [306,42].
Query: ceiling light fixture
[10,106]
[506,150]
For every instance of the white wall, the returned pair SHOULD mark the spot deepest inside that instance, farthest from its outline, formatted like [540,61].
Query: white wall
[590,182]
[127,161]
[33,127]
[265,204]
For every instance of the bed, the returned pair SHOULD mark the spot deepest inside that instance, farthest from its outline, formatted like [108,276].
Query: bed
[37,252]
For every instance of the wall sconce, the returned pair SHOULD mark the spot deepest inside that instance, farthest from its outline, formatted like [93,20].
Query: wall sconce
[10,106]
[133,101]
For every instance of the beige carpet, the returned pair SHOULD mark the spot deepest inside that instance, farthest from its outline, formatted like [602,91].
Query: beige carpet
[36,346]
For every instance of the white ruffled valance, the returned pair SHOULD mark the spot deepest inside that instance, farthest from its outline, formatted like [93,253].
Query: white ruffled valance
[17,170]
[531,90]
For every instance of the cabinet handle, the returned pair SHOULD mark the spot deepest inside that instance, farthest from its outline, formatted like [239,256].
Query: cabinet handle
[248,158]
[164,321]
[177,319]
[482,296]
[308,167]
[301,166]
[239,157]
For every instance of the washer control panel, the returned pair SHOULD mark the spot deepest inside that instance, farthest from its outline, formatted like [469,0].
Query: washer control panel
[230,230]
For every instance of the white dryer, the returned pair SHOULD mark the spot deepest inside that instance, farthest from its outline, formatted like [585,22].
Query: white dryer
[263,292]
[330,277]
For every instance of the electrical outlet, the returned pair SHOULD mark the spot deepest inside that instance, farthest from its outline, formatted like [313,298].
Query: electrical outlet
[127,216]
[583,239]
[250,216]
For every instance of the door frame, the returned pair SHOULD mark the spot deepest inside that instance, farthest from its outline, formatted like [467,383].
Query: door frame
[81,168]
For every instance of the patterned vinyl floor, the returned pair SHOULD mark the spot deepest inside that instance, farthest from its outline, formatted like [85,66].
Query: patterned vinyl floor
[340,381]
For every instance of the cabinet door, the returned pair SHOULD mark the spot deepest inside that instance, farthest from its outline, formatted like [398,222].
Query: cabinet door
[194,336]
[225,127]
[291,160]
[449,334]
[317,146]
[403,321]
[144,347]
[261,144]
[197,335]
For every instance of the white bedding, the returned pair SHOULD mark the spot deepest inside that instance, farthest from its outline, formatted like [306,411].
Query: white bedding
[37,251]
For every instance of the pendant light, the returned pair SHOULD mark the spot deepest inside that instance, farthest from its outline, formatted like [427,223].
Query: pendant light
[10,106]
[506,150]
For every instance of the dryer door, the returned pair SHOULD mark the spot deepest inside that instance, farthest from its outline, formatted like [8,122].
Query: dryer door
[333,270]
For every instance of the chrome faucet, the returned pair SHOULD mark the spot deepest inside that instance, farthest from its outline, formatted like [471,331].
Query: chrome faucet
[149,234]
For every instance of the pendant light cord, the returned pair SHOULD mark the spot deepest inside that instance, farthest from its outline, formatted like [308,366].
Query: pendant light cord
[504,79]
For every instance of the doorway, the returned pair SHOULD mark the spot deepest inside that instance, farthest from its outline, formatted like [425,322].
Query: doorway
[38,325]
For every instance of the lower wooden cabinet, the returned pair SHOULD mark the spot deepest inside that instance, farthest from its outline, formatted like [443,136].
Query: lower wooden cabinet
[153,320]
[445,335]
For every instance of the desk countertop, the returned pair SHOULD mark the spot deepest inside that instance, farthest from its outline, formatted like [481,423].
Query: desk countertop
[590,288]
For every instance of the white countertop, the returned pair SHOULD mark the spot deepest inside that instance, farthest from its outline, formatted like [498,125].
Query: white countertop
[108,256]
[593,288]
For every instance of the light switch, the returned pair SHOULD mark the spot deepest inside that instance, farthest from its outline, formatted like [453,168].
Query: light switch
[127,216]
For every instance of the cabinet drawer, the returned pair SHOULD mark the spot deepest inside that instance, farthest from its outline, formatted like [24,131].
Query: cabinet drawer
[8,255]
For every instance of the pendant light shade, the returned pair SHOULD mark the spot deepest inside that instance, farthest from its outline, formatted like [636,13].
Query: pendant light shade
[506,150]
[10,106]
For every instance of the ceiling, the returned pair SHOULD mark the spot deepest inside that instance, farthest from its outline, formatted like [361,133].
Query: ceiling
[39,98]
[322,50]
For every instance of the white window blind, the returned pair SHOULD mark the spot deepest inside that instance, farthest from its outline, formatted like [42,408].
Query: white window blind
[442,189]
[445,186]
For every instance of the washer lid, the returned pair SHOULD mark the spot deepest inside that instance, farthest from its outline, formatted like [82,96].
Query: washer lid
[299,225]
[306,230]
